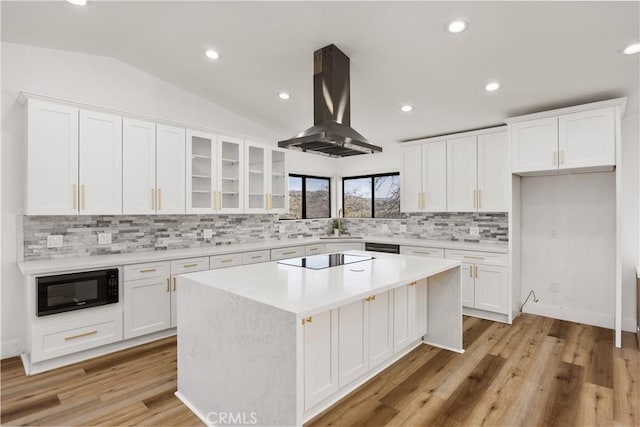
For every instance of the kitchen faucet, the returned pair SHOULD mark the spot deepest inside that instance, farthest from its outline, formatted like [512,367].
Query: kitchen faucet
[339,220]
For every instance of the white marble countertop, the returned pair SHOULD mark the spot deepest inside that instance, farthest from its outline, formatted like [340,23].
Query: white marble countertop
[305,292]
[55,265]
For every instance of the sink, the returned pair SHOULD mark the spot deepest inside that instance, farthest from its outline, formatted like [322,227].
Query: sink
[341,237]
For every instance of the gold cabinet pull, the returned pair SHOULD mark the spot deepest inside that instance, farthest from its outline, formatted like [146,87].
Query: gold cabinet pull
[174,284]
[74,189]
[422,252]
[424,200]
[226,260]
[479,199]
[148,270]
[471,271]
[159,199]
[288,253]
[256,257]
[153,199]
[86,334]
[307,320]
[555,157]
[473,257]
[220,200]
[413,283]
[476,271]
[195,264]
[475,194]
[168,285]
[371,298]
[82,189]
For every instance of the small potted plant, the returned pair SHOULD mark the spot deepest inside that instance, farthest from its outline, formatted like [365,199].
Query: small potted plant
[335,225]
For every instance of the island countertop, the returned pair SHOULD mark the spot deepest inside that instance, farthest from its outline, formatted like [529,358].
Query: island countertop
[304,292]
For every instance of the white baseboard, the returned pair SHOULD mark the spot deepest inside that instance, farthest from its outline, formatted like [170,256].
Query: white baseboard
[10,348]
[570,314]
[192,408]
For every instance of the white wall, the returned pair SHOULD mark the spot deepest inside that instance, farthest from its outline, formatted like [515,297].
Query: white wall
[97,81]
[580,258]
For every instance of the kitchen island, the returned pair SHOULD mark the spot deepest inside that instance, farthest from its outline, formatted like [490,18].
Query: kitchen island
[276,344]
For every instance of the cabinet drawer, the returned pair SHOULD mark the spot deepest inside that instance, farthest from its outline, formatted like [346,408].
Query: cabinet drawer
[314,249]
[420,251]
[145,271]
[486,258]
[222,261]
[283,253]
[255,257]
[180,266]
[58,339]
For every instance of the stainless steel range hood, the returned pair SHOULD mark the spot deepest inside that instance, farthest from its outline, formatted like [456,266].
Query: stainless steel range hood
[331,134]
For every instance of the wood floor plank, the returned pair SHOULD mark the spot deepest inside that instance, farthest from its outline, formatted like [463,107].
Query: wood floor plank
[599,367]
[579,344]
[626,383]
[560,329]
[595,407]
[564,386]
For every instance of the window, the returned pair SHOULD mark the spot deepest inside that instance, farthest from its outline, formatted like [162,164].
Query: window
[309,197]
[371,196]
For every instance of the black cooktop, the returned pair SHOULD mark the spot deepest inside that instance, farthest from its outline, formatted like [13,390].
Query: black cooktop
[318,262]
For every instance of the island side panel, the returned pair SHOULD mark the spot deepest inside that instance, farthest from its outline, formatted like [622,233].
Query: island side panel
[444,310]
[236,357]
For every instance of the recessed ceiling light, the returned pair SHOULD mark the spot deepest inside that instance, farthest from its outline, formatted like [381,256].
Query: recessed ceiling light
[284,95]
[457,26]
[492,86]
[406,108]
[212,54]
[78,2]
[632,48]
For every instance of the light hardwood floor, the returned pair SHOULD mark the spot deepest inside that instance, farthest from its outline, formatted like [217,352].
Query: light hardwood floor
[537,371]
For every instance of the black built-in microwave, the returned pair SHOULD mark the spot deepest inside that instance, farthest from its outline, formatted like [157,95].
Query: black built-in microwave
[75,291]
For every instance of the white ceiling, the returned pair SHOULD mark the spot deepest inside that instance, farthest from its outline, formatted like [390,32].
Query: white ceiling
[544,54]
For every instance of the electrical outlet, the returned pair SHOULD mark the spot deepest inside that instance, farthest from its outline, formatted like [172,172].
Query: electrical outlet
[104,238]
[282,229]
[403,228]
[555,287]
[554,234]
[55,241]
[474,231]
[207,233]
[384,228]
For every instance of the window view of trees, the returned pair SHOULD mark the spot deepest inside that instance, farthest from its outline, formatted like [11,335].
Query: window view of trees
[309,197]
[374,196]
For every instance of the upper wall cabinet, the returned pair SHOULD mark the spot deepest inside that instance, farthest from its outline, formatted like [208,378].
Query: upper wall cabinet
[100,163]
[138,167]
[478,173]
[576,139]
[52,159]
[265,179]
[202,159]
[231,175]
[170,170]
[424,178]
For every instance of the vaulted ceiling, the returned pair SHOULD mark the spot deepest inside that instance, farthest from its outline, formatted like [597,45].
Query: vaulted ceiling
[544,54]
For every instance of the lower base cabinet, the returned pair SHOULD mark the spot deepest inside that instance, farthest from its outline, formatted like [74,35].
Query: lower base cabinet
[147,306]
[409,314]
[320,358]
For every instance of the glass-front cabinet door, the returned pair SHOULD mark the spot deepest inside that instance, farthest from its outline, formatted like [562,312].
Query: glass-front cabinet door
[201,172]
[230,178]
[279,197]
[256,195]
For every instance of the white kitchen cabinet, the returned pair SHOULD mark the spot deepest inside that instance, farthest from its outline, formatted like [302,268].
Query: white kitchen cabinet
[586,139]
[266,183]
[138,167]
[484,277]
[409,314]
[147,306]
[170,170]
[424,178]
[201,180]
[224,261]
[285,253]
[231,176]
[334,247]
[320,357]
[462,178]
[493,172]
[183,266]
[422,251]
[353,341]
[534,145]
[255,257]
[52,159]
[490,290]
[100,160]
[380,328]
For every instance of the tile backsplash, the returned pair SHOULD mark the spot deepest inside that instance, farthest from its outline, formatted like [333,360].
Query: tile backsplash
[138,233]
